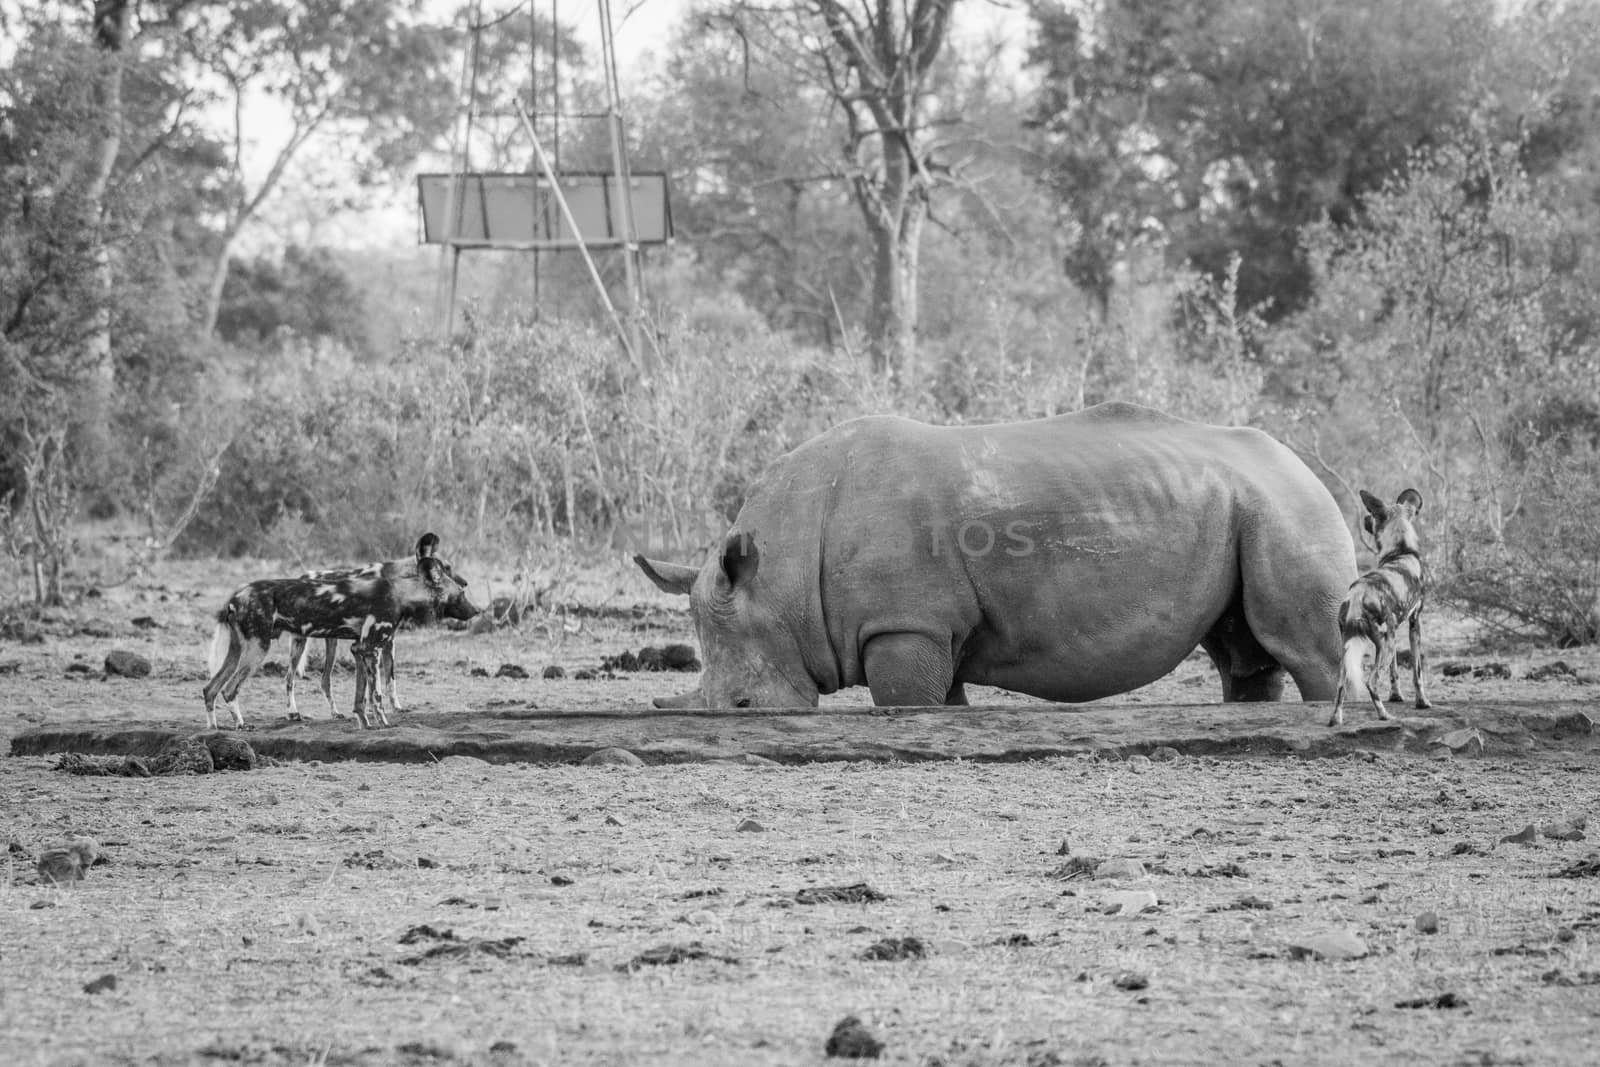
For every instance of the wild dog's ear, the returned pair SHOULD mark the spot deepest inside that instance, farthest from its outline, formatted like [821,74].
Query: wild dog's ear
[1412,499]
[669,577]
[740,557]
[427,545]
[1373,504]
[1369,524]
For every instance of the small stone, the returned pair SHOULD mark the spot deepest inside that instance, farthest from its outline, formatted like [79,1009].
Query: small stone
[1131,981]
[1164,754]
[612,820]
[555,670]
[1138,761]
[1427,922]
[750,826]
[59,866]
[126,664]
[1525,836]
[612,757]
[851,1040]
[1464,742]
[104,984]
[1130,902]
[229,753]
[678,657]
[1120,868]
[1332,945]
[1564,831]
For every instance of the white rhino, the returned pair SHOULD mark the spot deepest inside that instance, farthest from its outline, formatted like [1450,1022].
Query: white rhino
[1068,558]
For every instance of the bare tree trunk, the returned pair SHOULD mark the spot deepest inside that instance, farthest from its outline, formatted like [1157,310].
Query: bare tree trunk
[92,432]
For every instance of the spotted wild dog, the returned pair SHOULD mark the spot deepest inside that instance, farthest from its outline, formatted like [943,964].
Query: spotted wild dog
[364,608]
[1380,602]
[405,567]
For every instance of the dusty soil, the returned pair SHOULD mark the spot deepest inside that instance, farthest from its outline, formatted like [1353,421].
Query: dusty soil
[464,911]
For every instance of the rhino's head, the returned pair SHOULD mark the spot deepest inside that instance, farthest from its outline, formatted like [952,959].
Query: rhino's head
[752,657]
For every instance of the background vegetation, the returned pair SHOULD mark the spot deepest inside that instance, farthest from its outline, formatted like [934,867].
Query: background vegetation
[1366,226]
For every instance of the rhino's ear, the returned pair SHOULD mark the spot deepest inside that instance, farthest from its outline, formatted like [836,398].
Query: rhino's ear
[669,577]
[1373,504]
[1412,499]
[740,558]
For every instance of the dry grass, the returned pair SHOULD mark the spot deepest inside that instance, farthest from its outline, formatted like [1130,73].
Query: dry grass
[259,917]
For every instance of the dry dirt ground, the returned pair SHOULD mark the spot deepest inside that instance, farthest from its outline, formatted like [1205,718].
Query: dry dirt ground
[1269,909]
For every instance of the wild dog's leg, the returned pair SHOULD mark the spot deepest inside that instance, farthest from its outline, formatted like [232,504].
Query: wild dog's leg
[1385,650]
[1394,662]
[330,653]
[387,663]
[379,642]
[253,650]
[359,707]
[1416,659]
[297,667]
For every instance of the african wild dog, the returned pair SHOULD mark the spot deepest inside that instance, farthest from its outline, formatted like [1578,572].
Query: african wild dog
[1380,601]
[364,609]
[405,567]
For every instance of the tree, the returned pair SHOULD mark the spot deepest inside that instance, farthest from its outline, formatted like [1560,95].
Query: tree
[371,76]
[874,61]
[1219,128]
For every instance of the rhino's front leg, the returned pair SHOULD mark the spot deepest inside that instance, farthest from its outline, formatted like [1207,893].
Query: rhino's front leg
[910,670]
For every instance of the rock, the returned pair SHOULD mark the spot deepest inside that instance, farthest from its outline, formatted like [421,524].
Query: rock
[851,1040]
[1164,754]
[1132,981]
[1571,830]
[1556,670]
[1466,741]
[554,671]
[1130,902]
[679,657]
[1138,761]
[1426,922]
[183,755]
[623,661]
[612,757]
[126,664]
[1525,836]
[1332,945]
[894,949]
[1120,868]
[104,984]
[60,866]
[750,826]
[230,753]
[511,670]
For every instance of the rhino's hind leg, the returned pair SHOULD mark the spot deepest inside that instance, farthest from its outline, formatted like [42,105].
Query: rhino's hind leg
[909,670]
[1247,669]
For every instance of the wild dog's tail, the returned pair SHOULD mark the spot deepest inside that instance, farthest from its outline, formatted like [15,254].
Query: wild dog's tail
[1352,675]
[220,639]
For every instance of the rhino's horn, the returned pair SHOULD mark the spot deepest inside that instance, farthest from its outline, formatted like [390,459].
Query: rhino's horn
[669,577]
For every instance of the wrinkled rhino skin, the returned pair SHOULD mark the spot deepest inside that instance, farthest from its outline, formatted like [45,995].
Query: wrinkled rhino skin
[1067,558]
